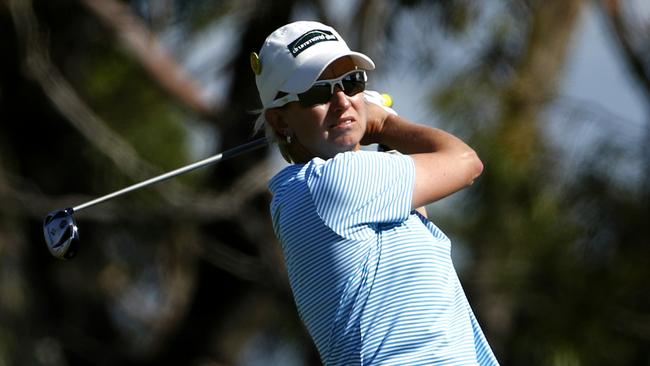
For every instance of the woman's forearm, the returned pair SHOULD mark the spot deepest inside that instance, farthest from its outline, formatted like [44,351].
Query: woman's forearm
[412,138]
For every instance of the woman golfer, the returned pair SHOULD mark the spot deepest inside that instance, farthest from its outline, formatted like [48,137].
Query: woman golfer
[372,278]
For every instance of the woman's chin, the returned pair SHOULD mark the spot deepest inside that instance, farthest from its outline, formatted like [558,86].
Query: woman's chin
[343,145]
[347,142]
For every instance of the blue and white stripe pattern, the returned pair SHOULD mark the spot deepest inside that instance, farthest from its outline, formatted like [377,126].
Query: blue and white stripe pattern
[372,279]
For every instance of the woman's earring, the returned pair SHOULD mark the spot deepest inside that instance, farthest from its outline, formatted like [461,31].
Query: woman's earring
[289,139]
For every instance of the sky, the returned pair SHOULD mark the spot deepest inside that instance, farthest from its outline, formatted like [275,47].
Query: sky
[601,104]
[595,73]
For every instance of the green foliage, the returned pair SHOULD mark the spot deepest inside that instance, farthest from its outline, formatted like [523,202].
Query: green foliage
[135,108]
[138,111]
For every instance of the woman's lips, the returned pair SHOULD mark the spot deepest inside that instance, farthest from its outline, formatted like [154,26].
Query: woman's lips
[342,123]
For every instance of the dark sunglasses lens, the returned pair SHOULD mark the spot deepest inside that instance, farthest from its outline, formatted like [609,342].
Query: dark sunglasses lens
[353,87]
[353,83]
[317,94]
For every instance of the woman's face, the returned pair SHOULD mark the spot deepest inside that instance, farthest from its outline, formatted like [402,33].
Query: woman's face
[325,130]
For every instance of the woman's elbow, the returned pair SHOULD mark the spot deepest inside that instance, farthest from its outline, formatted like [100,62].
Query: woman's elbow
[474,165]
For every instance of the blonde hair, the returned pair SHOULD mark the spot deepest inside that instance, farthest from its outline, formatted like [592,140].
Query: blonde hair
[271,135]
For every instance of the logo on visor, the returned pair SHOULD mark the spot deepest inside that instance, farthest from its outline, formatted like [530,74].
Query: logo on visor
[309,39]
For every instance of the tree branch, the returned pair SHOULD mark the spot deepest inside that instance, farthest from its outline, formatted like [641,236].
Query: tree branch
[71,106]
[151,54]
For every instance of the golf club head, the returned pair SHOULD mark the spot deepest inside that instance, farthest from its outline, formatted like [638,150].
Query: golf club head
[61,233]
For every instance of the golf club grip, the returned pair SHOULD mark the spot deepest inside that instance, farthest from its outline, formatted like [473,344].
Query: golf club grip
[249,146]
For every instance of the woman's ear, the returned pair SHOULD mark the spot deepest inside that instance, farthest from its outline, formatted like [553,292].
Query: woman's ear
[275,118]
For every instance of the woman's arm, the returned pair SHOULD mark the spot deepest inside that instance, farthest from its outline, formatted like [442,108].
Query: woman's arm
[443,163]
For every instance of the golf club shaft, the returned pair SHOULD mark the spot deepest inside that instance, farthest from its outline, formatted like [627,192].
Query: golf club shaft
[213,159]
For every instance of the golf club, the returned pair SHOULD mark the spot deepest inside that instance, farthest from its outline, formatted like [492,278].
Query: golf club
[60,229]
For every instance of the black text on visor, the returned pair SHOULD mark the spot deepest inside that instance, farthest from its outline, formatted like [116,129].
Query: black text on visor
[321,92]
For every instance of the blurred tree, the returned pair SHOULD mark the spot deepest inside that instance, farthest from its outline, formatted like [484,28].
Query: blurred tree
[514,222]
[544,245]
[95,95]
[632,36]
[156,270]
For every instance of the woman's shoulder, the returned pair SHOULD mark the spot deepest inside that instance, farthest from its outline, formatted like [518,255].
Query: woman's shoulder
[285,175]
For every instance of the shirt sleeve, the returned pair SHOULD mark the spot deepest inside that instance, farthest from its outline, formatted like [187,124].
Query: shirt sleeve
[355,191]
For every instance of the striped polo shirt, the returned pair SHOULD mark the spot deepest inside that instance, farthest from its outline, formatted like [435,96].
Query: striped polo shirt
[372,279]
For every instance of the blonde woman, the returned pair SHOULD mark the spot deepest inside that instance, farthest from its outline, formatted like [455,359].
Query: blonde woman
[372,278]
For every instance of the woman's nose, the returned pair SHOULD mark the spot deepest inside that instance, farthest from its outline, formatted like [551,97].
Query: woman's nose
[339,99]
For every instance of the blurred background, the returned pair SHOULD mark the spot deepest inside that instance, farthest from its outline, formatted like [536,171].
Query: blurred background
[552,243]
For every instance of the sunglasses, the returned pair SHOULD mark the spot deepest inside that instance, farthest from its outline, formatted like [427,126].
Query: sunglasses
[321,91]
